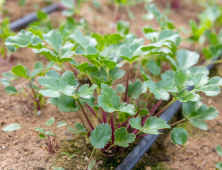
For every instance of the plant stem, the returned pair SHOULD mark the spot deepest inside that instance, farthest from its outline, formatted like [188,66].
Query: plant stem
[83,122]
[90,158]
[127,83]
[110,147]
[142,135]
[35,97]
[113,129]
[182,120]
[6,63]
[138,133]
[24,103]
[94,113]
[161,111]
[104,116]
[138,68]
[60,65]
[145,101]
[90,78]
[90,125]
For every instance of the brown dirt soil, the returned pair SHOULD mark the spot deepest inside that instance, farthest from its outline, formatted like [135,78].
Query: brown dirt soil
[14,11]
[22,150]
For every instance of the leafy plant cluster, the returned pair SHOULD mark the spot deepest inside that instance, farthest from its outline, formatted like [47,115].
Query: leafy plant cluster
[125,113]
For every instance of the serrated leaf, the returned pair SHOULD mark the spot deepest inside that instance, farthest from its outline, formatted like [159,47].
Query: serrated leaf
[11,127]
[82,40]
[196,114]
[91,165]
[85,91]
[151,126]
[219,150]
[84,67]
[65,103]
[190,97]
[135,89]
[54,39]
[20,71]
[123,138]
[187,58]
[47,53]
[42,130]
[126,108]
[100,136]
[109,64]
[80,129]
[11,90]
[167,85]
[42,136]
[199,69]
[23,39]
[50,122]
[179,136]
[61,123]
[67,50]
[210,90]
[217,81]
[113,38]
[200,79]
[180,78]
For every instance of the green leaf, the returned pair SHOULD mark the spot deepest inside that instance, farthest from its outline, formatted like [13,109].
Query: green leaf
[65,103]
[122,27]
[217,81]
[200,79]
[167,85]
[120,88]
[113,38]
[186,58]
[20,71]
[189,97]
[180,78]
[85,92]
[179,136]
[135,89]
[42,136]
[50,122]
[80,129]
[5,82]
[123,138]
[158,93]
[9,75]
[49,133]
[82,40]
[151,126]
[109,64]
[67,50]
[219,150]
[47,53]
[58,168]
[210,90]
[41,15]
[11,127]
[126,108]
[219,166]
[153,67]
[100,136]
[91,165]
[199,69]
[196,114]
[23,39]
[35,72]
[61,123]
[54,39]
[100,39]
[11,90]
[42,130]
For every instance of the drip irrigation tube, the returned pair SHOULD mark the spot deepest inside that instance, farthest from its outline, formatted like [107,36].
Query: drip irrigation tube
[147,141]
[22,22]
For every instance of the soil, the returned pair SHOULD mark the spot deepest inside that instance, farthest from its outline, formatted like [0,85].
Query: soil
[23,150]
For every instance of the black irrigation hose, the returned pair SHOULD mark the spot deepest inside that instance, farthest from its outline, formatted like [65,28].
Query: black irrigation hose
[22,22]
[147,141]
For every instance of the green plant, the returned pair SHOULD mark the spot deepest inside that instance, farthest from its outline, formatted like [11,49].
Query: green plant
[30,91]
[121,122]
[219,151]
[48,136]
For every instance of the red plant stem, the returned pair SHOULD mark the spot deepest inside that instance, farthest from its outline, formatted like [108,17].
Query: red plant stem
[151,112]
[145,101]
[83,122]
[118,126]
[90,124]
[125,123]
[142,135]
[93,112]
[127,83]
[35,97]
[113,129]
[104,116]
[6,63]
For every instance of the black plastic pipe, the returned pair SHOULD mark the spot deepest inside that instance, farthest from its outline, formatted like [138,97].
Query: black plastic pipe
[22,22]
[147,141]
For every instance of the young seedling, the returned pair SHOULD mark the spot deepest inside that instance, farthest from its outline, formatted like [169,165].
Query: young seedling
[30,91]
[48,136]
[219,151]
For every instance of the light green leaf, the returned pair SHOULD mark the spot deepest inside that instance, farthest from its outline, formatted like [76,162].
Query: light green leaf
[54,39]
[84,67]
[181,77]
[109,64]
[126,108]
[200,79]
[217,81]
[136,123]
[50,122]
[123,138]
[11,90]
[5,82]
[91,165]
[153,67]
[187,58]
[61,123]
[196,114]
[135,89]
[100,136]
[20,71]
[49,133]
[47,53]
[65,103]
[219,150]
[11,127]
[210,90]
[42,130]
[23,39]
[219,166]
[80,129]
[85,92]
[67,50]
[179,136]
[120,88]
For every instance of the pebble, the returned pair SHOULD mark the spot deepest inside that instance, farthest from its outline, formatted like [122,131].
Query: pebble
[3,147]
